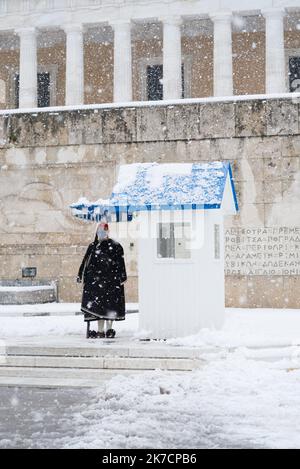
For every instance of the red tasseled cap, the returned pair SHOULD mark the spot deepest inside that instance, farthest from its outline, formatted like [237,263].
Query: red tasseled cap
[105,226]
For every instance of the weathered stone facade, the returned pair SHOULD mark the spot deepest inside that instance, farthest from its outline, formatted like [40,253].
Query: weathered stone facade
[49,159]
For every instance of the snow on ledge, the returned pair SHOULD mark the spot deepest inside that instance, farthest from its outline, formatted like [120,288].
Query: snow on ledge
[135,104]
[25,288]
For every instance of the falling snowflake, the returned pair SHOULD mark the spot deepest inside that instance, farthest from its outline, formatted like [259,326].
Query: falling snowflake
[14,401]
[238,22]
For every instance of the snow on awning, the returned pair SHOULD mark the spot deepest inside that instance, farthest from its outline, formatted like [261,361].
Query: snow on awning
[154,186]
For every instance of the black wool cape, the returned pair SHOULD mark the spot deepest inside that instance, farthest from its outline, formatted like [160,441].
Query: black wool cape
[103,271]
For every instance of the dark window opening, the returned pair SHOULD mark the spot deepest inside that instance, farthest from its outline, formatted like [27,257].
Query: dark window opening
[43,90]
[294,74]
[154,82]
[155,89]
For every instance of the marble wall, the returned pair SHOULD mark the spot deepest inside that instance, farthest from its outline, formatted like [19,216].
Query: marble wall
[49,159]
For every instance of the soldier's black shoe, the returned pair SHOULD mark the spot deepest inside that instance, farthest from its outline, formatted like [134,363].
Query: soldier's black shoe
[93,335]
[100,335]
[110,334]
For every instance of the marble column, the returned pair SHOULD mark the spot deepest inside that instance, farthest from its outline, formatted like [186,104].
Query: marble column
[74,65]
[172,60]
[275,58]
[223,73]
[122,61]
[28,68]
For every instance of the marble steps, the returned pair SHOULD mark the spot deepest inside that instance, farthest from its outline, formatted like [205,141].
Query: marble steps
[98,363]
[54,378]
[89,364]
[285,356]
[58,373]
[104,350]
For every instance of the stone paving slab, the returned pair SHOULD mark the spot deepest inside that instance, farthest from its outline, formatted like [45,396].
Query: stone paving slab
[61,373]
[32,380]
[52,362]
[112,363]
[76,361]
[77,346]
[15,382]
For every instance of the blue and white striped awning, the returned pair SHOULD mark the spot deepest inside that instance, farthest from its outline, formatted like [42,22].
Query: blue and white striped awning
[153,186]
[100,210]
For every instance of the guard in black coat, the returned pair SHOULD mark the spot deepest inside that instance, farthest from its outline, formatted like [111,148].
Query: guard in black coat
[103,274]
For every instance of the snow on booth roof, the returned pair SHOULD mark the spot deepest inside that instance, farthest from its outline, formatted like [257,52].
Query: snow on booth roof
[154,186]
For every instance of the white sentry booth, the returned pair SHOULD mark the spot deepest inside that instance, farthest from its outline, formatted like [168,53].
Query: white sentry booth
[178,211]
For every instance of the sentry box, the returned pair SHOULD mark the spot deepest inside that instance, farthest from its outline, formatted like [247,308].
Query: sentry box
[176,211]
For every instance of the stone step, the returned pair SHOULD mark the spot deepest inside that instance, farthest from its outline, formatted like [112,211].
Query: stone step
[106,349]
[288,356]
[32,382]
[56,378]
[51,362]
[60,373]
[56,361]
[99,363]
[27,293]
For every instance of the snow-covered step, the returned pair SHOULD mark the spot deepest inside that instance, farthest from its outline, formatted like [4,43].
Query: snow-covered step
[60,377]
[77,359]
[27,293]
[57,351]
[175,364]
[51,362]
[37,377]
[108,349]
[282,356]
[271,353]
[57,373]
[110,363]
[32,382]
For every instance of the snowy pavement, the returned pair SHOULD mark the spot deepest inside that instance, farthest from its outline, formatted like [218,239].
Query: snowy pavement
[241,398]
[262,334]
[243,327]
[56,324]
[259,333]
[37,418]
[234,403]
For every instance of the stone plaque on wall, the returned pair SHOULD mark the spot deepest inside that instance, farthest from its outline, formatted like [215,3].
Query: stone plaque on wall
[262,251]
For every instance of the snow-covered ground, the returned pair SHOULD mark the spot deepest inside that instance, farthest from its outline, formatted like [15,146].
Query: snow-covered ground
[251,328]
[243,327]
[60,325]
[233,401]
[229,403]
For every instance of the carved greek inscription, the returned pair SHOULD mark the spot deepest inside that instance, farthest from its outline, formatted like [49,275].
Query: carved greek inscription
[262,251]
